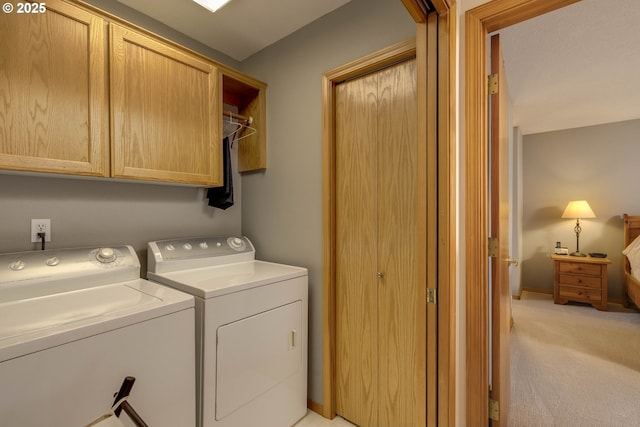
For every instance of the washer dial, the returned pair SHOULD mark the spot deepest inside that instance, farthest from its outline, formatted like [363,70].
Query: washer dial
[106,255]
[52,261]
[17,265]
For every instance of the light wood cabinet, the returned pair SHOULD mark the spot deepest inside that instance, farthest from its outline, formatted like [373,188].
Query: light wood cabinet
[165,111]
[83,92]
[581,279]
[53,110]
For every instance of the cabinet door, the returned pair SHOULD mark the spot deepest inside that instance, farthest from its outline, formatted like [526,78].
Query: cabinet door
[164,110]
[52,91]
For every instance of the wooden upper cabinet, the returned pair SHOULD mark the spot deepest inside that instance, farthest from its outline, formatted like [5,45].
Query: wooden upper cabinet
[83,92]
[165,111]
[52,91]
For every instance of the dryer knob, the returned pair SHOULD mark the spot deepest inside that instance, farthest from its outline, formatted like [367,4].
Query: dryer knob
[236,243]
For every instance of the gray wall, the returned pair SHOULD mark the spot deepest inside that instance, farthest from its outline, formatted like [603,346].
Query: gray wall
[282,207]
[596,163]
[515,210]
[91,212]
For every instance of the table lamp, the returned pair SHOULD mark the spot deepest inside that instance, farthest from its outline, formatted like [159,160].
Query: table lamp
[578,209]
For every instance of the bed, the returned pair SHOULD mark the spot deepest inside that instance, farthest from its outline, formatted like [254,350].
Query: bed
[631,261]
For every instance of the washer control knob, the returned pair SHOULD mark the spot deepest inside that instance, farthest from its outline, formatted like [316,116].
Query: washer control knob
[187,246]
[170,247]
[204,245]
[17,265]
[53,261]
[106,255]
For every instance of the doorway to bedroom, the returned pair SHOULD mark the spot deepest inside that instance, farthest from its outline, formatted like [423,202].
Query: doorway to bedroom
[494,20]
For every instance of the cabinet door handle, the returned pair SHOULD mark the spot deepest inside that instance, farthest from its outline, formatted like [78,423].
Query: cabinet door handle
[512,261]
[380,275]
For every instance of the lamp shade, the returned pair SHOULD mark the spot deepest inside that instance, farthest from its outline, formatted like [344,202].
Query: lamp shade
[578,209]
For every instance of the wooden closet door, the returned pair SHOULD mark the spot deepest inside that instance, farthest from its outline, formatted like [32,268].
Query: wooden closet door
[401,314]
[356,251]
[379,379]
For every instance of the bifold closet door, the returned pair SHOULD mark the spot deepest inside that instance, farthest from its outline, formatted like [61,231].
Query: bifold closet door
[378,376]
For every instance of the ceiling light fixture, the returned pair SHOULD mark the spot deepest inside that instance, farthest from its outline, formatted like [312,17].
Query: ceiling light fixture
[212,5]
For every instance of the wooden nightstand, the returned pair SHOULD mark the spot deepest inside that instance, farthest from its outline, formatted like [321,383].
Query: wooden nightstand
[581,279]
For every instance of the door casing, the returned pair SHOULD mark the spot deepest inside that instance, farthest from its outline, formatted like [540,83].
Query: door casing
[479,22]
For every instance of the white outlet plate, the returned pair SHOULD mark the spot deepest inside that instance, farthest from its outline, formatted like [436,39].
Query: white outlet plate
[40,225]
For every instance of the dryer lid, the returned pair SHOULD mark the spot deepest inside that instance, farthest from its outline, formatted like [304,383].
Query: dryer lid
[210,282]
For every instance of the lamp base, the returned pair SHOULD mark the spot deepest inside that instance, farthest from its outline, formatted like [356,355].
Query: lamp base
[578,254]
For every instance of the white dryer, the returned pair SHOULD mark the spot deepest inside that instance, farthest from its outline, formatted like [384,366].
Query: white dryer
[74,323]
[251,327]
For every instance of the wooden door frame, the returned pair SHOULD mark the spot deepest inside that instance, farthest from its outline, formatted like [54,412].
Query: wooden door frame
[479,22]
[435,51]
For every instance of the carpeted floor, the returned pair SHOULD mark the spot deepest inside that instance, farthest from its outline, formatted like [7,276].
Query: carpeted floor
[572,365]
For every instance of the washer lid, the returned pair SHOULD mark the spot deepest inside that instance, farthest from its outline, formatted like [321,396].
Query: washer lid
[34,324]
[210,282]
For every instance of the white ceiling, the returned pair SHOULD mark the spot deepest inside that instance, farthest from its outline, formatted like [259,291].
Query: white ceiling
[241,27]
[574,67]
[577,66]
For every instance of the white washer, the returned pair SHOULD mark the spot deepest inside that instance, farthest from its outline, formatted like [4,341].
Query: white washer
[251,327]
[74,323]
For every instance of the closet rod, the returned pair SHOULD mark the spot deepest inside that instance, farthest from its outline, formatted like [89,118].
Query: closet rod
[236,116]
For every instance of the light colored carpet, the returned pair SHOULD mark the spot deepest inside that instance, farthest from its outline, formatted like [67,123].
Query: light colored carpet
[572,365]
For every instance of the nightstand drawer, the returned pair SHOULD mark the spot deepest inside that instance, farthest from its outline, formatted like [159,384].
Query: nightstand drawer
[580,281]
[580,268]
[580,294]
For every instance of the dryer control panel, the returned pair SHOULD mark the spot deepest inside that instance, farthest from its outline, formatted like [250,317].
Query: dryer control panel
[174,254]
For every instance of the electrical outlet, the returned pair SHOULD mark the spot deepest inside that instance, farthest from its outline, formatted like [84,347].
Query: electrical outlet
[40,226]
